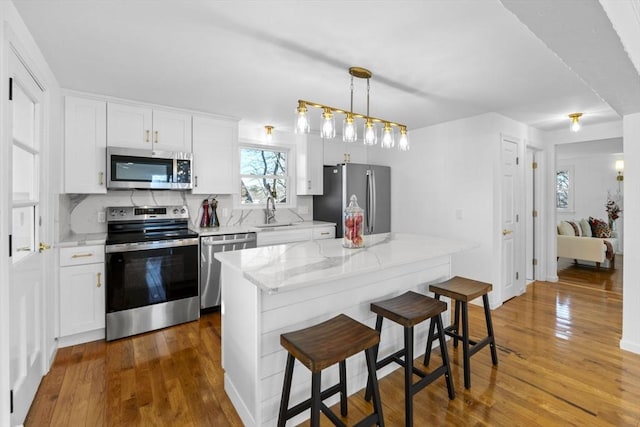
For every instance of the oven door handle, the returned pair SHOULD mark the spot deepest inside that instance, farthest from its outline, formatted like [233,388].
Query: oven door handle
[144,246]
[228,242]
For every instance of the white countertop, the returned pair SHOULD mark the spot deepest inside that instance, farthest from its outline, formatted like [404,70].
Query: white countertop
[296,265]
[76,239]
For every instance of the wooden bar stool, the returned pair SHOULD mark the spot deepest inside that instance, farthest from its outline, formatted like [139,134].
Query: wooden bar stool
[408,310]
[319,347]
[462,291]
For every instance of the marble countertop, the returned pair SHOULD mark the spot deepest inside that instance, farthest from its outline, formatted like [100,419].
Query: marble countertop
[77,239]
[296,265]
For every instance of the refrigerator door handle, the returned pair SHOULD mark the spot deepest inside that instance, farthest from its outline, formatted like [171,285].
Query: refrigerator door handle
[373,201]
[370,201]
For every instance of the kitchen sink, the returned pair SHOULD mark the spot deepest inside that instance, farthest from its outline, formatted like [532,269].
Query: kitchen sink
[279,224]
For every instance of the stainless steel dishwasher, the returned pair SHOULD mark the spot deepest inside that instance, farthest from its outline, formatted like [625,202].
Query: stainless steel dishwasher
[210,267]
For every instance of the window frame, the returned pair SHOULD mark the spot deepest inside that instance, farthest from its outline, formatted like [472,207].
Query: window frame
[289,177]
[569,169]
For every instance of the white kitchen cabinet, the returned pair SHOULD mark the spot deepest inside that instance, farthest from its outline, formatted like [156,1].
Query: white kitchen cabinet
[294,234]
[309,163]
[82,289]
[214,147]
[85,141]
[141,127]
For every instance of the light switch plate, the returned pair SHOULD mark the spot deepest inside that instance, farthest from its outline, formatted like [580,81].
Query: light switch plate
[101,216]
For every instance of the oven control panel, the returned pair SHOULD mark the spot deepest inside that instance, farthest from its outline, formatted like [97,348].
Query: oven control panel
[129,213]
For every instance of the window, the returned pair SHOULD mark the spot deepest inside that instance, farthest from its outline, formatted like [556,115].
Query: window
[263,171]
[564,188]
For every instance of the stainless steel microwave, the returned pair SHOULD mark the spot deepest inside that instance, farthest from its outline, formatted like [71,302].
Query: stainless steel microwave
[129,168]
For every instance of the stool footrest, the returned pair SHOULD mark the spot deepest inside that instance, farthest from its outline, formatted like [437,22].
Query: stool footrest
[476,346]
[428,379]
[306,404]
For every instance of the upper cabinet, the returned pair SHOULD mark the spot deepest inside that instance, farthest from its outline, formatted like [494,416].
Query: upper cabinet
[145,128]
[214,144]
[310,159]
[85,141]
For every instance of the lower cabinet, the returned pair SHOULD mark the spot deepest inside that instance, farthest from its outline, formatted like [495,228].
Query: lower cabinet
[278,237]
[82,290]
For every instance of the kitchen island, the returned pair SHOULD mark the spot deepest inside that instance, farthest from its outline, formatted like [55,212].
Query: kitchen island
[275,289]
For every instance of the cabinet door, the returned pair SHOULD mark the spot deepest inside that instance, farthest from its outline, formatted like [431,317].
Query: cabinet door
[82,298]
[85,141]
[171,131]
[214,143]
[309,162]
[129,126]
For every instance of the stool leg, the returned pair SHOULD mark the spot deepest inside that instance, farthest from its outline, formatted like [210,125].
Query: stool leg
[367,393]
[315,399]
[286,391]
[445,357]
[487,316]
[430,338]
[373,381]
[408,376]
[456,323]
[343,388]
[465,345]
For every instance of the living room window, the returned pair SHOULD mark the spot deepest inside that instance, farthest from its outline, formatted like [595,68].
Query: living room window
[564,189]
[263,171]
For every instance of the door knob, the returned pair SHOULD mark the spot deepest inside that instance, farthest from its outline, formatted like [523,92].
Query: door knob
[505,232]
[43,246]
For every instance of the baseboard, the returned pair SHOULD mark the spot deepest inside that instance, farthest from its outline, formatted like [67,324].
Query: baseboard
[631,346]
[552,279]
[81,338]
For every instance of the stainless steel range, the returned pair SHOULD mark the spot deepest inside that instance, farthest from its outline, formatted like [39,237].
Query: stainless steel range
[151,269]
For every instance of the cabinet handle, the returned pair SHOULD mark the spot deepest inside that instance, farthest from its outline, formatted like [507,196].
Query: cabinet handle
[147,139]
[101,178]
[196,180]
[325,233]
[81,255]
[156,136]
[99,277]
[505,232]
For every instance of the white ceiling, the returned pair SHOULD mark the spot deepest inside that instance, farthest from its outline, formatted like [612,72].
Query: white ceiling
[432,61]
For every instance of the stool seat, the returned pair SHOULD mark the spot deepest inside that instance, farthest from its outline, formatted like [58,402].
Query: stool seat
[327,343]
[461,289]
[409,309]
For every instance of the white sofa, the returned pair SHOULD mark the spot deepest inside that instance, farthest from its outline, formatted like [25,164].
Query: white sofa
[586,248]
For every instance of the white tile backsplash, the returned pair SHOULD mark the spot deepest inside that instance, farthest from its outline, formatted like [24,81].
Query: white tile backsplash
[79,213]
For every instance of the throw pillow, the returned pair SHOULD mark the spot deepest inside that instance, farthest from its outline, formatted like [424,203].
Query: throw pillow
[576,228]
[565,229]
[585,227]
[599,228]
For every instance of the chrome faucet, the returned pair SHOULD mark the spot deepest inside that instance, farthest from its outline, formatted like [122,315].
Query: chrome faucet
[270,213]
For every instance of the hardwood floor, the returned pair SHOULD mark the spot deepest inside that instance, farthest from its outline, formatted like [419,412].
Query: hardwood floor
[559,364]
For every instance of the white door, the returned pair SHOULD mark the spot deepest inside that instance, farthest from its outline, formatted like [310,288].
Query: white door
[26,291]
[509,219]
[531,214]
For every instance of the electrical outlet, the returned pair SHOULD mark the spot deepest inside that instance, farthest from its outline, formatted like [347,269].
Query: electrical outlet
[101,216]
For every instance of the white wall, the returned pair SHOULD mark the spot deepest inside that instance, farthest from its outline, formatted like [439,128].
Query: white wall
[631,276]
[447,185]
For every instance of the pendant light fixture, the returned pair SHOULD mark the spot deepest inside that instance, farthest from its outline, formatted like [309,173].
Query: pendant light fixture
[268,133]
[349,128]
[575,121]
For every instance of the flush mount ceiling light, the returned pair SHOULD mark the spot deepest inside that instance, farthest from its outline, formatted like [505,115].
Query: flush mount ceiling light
[268,133]
[349,130]
[575,121]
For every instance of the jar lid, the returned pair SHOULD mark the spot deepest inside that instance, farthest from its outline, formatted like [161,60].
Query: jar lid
[353,205]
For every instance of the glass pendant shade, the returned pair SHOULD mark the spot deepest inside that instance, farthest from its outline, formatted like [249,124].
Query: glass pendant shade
[403,143]
[370,137]
[328,125]
[387,136]
[349,132]
[575,125]
[301,124]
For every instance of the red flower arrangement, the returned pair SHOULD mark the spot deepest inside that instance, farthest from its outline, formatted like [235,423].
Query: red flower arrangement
[613,210]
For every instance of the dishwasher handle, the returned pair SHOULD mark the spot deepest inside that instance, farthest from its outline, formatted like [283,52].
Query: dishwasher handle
[227,242]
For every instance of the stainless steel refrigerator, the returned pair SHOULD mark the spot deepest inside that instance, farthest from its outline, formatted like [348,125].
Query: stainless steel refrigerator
[372,186]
